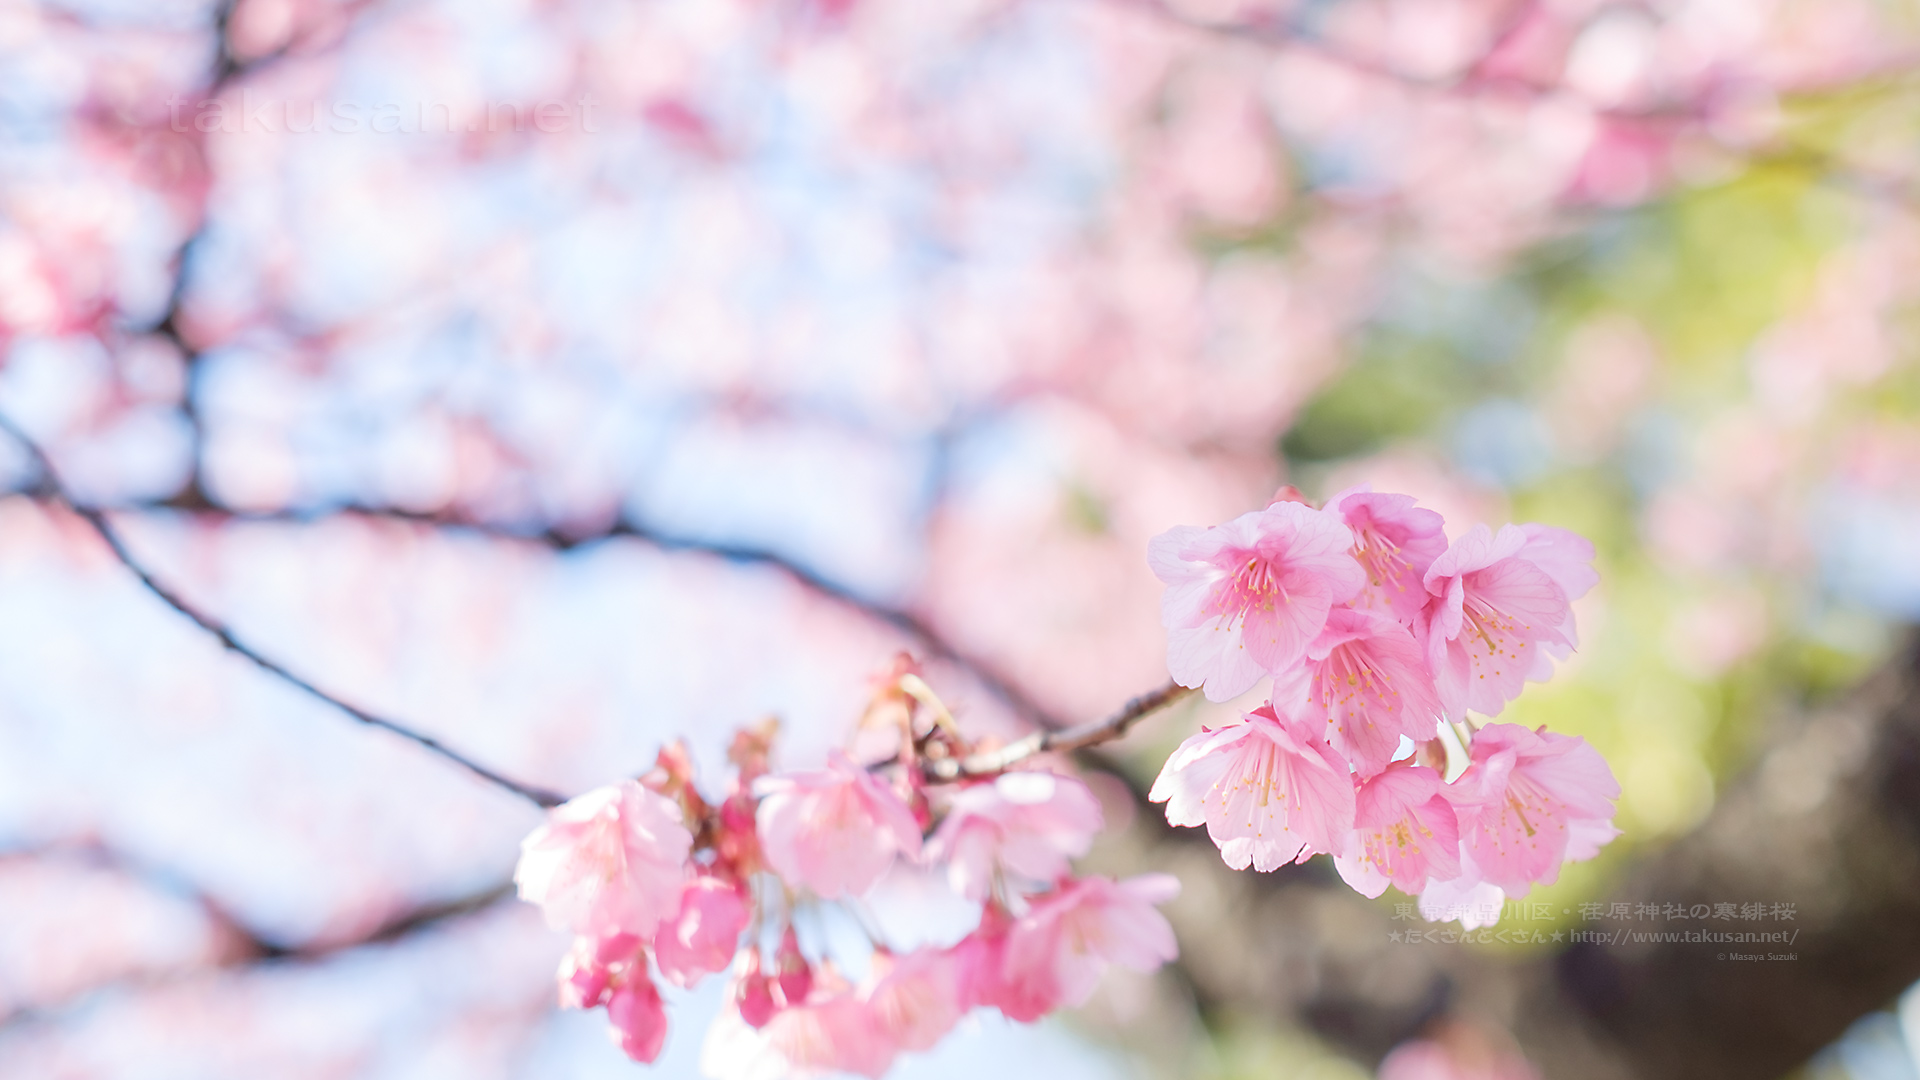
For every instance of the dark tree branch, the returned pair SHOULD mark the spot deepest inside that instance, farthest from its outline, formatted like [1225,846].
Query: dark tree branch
[934,645]
[1059,740]
[48,486]
[243,947]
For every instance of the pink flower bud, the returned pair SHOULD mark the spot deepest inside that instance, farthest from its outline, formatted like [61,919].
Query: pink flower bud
[588,972]
[639,1019]
[795,979]
[754,997]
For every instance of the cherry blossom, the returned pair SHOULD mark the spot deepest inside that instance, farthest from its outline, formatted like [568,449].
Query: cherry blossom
[980,968]
[1368,677]
[1493,608]
[834,1030]
[639,1018]
[1026,823]
[914,999]
[1268,788]
[1395,542]
[752,992]
[1057,951]
[1405,832]
[608,862]
[1456,1055]
[1471,901]
[1527,799]
[588,973]
[1244,599]
[702,938]
[833,830]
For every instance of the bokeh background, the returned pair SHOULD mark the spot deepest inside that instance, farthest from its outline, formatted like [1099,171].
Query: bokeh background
[592,372]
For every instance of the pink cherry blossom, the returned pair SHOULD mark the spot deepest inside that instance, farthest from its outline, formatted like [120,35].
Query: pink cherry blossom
[1454,1058]
[1027,823]
[980,961]
[1585,838]
[1527,799]
[1492,610]
[834,1030]
[793,977]
[608,862]
[1475,903]
[1057,952]
[752,992]
[834,830]
[1395,542]
[703,937]
[1404,832]
[638,1017]
[590,969]
[1245,598]
[1368,678]
[1566,557]
[914,999]
[1268,789]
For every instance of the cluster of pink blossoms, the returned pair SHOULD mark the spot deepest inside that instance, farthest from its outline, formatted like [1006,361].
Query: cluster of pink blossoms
[657,883]
[1380,637]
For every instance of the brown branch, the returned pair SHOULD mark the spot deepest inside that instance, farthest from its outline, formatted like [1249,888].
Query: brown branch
[1060,740]
[934,645]
[49,486]
[244,948]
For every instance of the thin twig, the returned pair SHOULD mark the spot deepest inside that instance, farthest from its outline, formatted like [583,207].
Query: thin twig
[989,762]
[49,486]
[933,644]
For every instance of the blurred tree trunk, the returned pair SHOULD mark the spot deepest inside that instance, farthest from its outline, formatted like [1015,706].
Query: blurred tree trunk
[1828,820]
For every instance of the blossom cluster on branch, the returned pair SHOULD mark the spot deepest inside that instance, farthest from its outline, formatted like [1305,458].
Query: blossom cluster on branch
[1380,637]
[657,883]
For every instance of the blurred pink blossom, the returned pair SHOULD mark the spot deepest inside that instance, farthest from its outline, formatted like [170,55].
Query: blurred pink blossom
[834,830]
[1056,953]
[1027,823]
[591,967]
[608,862]
[703,937]
[914,999]
[639,1018]
[834,1030]
[1455,1053]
